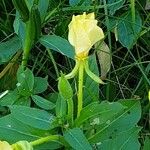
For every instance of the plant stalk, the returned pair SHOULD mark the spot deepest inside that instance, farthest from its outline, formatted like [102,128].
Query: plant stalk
[70,111]
[56,138]
[80,87]
[27,45]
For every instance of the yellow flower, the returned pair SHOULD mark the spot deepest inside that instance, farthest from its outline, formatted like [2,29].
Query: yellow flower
[5,146]
[84,33]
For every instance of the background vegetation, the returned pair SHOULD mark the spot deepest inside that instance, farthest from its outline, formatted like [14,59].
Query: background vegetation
[126,24]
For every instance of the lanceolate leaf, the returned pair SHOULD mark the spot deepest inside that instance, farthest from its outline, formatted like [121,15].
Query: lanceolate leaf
[114,5]
[77,140]
[124,141]
[104,110]
[42,102]
[80,2]
[58,44]
[122,122]
[17,131]
[9,48]
[33,117]
[12,130]
[128,31]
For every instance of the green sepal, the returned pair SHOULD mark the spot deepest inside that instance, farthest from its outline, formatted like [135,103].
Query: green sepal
[91,74]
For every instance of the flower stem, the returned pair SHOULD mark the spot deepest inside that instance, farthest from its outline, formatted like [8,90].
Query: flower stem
[56,138]
[80,87]
[70,111]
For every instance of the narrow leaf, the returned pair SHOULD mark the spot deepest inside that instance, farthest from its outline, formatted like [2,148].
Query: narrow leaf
[34,117]
[9,48]
[42,102]
[121,122]
[58,44]
[77,140]
[104,110]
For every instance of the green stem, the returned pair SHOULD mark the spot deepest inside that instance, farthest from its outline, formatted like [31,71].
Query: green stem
[70,112]
[27,45]
[133,10]
[56,138]
[80,87]
[53,62]
[109,42]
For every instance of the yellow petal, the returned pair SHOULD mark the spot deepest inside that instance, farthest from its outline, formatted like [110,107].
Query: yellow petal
[90,16]
[96,34]
[5,146]
[79,38]
[84,33]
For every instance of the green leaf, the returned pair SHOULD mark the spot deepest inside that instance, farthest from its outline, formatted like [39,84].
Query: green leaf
[42,102]
[53,145]
[25,81]
[23,101]
[146,143]
[128,31]
[17,131]
[80,2]
[43,7]
[91,88]
[104,111]
[9,98]
[40,85]
[9,48]
[77,140]
[121,122]
[34,117]
[19,27]
[58,44]
[65,88]
[124,141]
[114,5]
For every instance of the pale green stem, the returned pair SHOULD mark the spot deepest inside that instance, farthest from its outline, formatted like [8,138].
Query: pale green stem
[27,46]
[133,10]
[56,138]
[80,87]
[70,111]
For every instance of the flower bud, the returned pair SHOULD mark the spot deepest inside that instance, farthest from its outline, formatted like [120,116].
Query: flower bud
[84,33]
[5,146]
